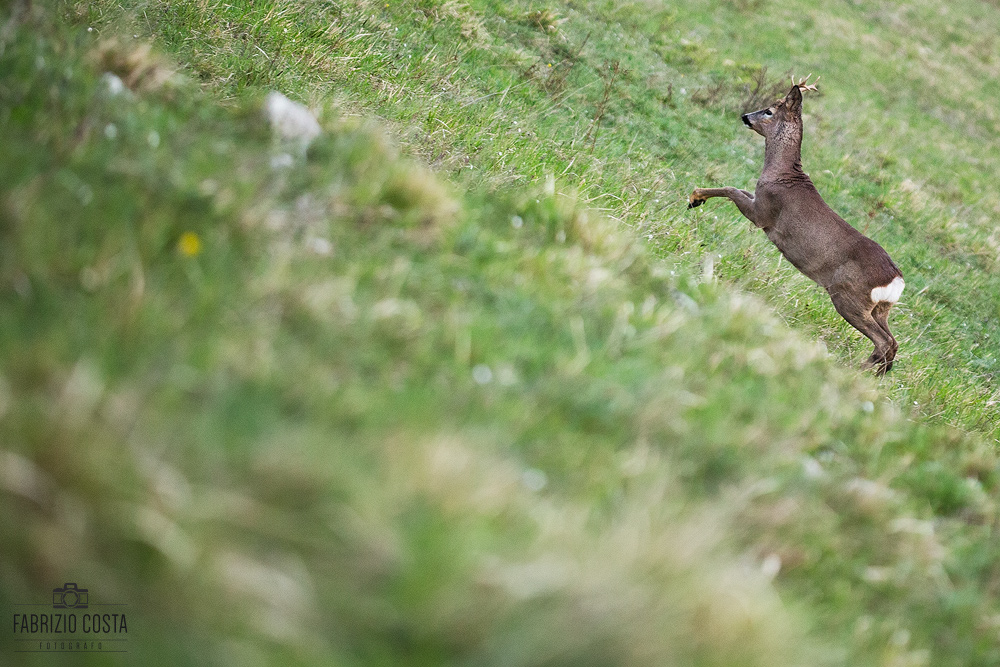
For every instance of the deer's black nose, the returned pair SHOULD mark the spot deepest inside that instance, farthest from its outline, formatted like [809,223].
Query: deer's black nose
[746,121]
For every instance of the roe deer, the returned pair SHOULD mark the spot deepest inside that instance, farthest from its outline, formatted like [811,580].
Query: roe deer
[859,275]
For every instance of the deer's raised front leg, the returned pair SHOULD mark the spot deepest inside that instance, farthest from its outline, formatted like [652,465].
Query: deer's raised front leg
[744,200]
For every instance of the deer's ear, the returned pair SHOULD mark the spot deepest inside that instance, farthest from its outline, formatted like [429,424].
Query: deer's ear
[794,99]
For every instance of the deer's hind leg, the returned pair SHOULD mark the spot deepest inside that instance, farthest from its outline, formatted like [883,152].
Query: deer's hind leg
[858,311]
[880,313]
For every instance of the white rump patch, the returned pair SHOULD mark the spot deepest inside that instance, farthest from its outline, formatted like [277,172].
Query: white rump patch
[890,292]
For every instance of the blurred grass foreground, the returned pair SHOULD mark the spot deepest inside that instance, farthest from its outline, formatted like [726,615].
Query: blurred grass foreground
[282,395]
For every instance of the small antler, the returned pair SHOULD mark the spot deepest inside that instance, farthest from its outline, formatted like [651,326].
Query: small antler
[804,84]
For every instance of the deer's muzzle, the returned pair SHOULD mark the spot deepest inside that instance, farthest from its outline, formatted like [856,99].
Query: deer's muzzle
[746,120]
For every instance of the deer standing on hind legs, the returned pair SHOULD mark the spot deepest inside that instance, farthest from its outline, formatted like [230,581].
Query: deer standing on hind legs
[859,275]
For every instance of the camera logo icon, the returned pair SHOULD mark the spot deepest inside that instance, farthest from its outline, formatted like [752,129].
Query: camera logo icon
[70,597]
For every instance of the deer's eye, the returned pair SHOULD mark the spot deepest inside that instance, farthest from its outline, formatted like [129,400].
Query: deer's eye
[767,112]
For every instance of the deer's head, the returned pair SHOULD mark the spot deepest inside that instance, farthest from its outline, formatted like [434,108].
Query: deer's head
[782,118]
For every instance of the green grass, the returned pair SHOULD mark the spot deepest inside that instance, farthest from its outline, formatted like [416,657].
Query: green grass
[482,87]
[466,383]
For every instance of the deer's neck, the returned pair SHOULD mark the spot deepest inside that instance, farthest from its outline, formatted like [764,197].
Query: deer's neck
[783,159]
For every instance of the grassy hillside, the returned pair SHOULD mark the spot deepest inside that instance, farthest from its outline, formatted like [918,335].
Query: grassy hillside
[465,383]
[902,141]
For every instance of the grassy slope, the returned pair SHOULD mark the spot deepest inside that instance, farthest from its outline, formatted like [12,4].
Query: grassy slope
[482,87]
[301,437]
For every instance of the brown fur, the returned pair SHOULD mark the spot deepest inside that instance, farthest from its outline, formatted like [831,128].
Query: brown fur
[817,241]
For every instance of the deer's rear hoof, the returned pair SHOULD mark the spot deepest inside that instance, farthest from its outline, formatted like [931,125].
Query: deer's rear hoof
[880,364]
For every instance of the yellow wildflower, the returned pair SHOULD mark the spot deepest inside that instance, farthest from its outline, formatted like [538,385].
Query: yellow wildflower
[189,244]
